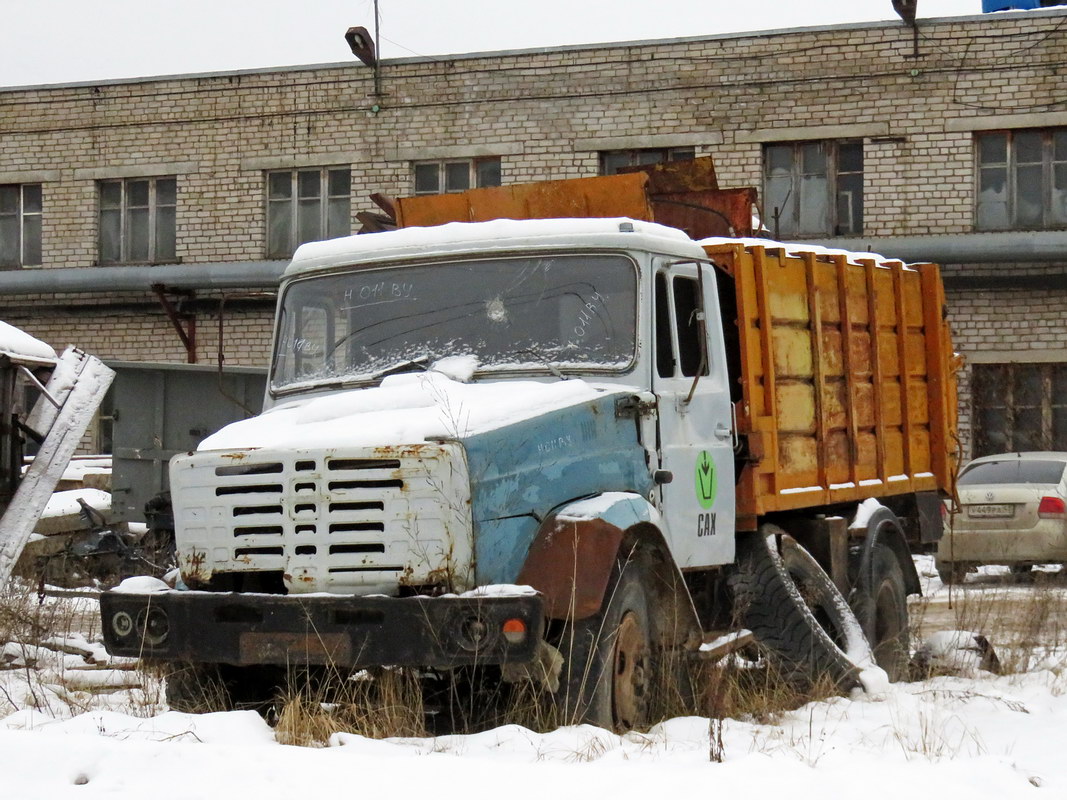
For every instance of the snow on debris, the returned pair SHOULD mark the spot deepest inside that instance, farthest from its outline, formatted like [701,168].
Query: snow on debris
[16,342]
[594,507]
[404,409]
[66,503]
[80,466]
[864,512]
[141,584]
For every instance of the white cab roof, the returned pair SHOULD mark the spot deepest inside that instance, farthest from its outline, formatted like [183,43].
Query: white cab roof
[457,238]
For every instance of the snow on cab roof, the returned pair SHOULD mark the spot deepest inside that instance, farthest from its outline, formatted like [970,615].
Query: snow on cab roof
[17,344]
[797,248]
[502,234]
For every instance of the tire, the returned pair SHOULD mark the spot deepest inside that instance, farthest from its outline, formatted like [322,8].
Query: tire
[608,665]
[795,612]
[881,605]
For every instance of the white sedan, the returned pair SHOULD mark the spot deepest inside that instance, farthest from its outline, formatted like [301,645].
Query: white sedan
[1012,511]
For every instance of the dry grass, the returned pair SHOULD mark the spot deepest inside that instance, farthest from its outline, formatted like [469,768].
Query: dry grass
[388,703]
[1023,617]
[49,664]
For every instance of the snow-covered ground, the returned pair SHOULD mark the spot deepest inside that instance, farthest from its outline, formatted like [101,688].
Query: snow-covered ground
[974,735]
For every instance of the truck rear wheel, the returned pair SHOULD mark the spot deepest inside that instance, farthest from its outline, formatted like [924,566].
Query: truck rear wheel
[607,672]
[881,605]
[794,610]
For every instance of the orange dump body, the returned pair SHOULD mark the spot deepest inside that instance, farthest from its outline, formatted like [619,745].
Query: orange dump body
[847,373]
[683,195]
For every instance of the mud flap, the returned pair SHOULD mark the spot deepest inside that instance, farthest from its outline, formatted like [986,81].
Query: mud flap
[64,411]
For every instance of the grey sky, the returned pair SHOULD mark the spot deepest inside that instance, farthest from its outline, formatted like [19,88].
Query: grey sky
[60,41]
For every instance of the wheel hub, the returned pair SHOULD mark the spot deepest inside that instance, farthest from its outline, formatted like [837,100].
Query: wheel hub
[630,672]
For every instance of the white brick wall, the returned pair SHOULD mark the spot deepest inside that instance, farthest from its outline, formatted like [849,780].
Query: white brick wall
[535,108]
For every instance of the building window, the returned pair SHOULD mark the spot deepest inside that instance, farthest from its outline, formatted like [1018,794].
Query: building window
[813,188]
[611,161]
[1019,407]
[20,225]
[437,177]
[1022,180]
[137,218]
[307,205]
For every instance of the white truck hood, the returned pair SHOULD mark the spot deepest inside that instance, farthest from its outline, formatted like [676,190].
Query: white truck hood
[404,409]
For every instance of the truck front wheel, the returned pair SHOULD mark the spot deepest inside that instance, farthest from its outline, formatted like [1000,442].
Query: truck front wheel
[607,672]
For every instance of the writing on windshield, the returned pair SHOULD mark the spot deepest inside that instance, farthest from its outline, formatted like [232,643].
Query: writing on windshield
[531,313]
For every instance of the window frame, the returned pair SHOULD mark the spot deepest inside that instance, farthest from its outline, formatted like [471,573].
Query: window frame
[635,157]
[23,257]
[325,198]
[1049,405]
[833,175]
[125,209]
[474,175]
[1011,166]
[678,351]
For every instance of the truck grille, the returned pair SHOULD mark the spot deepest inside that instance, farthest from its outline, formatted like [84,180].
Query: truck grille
[330,522]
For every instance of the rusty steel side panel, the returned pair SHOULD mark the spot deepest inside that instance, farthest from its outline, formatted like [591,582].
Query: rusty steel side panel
[672,177]
[704,213]
[570,564]
[609,196]
[848,388]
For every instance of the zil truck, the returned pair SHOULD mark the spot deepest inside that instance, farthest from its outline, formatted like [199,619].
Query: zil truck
[562,447]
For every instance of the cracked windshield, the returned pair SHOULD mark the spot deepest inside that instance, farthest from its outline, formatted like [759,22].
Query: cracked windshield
[547,314]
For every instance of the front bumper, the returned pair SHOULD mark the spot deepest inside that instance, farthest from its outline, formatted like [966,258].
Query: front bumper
[341,630]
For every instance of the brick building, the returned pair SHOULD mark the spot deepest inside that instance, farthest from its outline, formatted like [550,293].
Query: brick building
[120,198]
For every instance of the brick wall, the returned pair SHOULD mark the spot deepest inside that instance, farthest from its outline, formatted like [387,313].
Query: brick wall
[546,113]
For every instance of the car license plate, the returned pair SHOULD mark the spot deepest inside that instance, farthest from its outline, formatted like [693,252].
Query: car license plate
[991,510]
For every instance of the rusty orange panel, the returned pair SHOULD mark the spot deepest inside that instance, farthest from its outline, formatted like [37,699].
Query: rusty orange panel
[608,196]
[701,214]
[693,175]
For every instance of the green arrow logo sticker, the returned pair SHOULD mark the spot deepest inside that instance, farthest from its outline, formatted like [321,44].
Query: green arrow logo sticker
[706,483]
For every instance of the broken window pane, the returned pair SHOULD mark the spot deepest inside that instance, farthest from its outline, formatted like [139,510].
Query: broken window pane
[992,212]
[814,204]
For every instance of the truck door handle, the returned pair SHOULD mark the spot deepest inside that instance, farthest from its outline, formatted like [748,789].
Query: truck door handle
[722,431]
